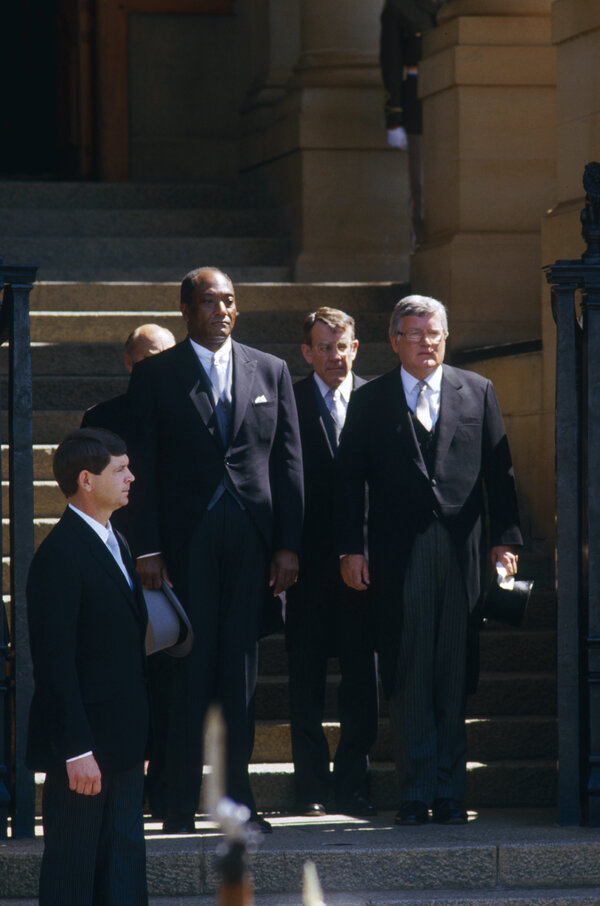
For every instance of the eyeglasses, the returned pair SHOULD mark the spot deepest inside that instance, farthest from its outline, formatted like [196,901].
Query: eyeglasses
[416,335]
[326,348]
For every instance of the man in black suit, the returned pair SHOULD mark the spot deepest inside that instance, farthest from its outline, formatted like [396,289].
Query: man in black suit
[113,414]
[428,440]
[323,617]
[219,514]
[88,723]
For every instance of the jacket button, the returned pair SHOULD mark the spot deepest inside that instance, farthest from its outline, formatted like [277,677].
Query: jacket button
[227,461]
[433,482]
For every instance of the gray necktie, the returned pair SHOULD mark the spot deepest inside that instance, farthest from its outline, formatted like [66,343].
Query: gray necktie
[337,410]
[218,378]
[422,410]
[113,546]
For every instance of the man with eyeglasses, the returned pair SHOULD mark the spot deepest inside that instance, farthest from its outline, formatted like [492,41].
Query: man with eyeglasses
[429,442]
[324,618]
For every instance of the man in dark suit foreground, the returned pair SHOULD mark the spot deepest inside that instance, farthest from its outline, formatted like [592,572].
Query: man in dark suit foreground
[323,617]
[219,514]
[88,724]
[428,440]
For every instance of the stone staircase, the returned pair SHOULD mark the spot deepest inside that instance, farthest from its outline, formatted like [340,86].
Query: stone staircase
[110,259]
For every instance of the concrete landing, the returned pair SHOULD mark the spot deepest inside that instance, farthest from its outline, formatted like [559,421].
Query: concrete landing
[502,856]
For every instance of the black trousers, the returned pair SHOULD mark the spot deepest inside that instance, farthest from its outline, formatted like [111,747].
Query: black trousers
[343,626]
[224,570]
[427,705]
[94,850]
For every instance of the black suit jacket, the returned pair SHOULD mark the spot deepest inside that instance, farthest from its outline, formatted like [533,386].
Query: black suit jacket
[378,447]
[87,631]
[180,459]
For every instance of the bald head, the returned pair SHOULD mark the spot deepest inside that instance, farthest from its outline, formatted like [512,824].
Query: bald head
[144,341]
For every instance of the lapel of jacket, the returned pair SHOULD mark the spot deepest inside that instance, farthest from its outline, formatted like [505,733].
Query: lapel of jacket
[244,370]
[450,409]
[402,421]
[103,556]
[319,415]
[197,386]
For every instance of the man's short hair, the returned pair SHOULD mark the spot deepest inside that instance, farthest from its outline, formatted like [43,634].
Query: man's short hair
[418,307]
[188,284]
[333,318]
[86,449]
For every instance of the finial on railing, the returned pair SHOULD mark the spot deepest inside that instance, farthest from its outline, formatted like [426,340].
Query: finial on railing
[590,215]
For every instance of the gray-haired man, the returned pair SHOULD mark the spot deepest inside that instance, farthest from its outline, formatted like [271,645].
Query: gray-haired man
[428,440]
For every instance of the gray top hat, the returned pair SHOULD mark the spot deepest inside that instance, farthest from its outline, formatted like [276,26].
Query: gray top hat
[169,628]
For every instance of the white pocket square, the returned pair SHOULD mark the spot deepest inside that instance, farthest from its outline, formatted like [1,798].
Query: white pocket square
[260,399]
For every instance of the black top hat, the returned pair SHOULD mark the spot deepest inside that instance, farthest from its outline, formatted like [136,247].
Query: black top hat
[507,605]
[169,628]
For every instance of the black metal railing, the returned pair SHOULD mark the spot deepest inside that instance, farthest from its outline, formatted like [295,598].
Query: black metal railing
[576,308]
[17,792]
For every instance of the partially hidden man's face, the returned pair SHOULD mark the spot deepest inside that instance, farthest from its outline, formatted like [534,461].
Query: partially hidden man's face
[211,315]
[331,353]
[420,344]
[110,489]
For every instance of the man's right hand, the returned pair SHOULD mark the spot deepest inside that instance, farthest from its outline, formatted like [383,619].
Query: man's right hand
[355,571]
[152,570]
[84,776]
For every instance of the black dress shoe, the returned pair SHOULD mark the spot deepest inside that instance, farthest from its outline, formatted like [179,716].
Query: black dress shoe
[412,813]
[448,811]
[260,823]
[180,825]
[311,809]
[357,807]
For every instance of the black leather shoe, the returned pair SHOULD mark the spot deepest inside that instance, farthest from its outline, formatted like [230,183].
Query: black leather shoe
[412,813]
[448,811]
[311,809]
[357,807]
[180,825]
[260,823]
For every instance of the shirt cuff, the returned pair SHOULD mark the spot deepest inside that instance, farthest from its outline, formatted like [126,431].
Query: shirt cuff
[77,757]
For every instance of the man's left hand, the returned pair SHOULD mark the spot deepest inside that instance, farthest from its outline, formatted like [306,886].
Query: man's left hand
[505,556]
[284,570]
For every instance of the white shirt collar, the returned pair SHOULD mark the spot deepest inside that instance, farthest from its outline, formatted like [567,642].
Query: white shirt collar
[101,530]
[345,388]
[223,353]
[410,382]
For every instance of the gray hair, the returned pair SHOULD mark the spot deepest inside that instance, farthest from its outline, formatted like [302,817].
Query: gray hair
[419,307]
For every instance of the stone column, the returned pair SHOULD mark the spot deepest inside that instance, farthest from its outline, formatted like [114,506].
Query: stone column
[322,150]
[487,82]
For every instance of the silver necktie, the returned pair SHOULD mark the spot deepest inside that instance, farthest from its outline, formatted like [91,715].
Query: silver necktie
[422,410]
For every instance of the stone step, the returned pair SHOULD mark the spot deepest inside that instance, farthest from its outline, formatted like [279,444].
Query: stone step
[50,253]
[489,739]
[498,693]
[68,196]
[502,651]
[252,327]
[132,271]
[141,222]
[106,359]
[300,297]
[503,856]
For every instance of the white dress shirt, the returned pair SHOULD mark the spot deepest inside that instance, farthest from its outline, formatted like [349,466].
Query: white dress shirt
[434,391]
[222,356]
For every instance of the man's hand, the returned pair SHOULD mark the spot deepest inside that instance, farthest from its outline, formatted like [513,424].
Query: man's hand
[355,571]
[505,556]
[84,776]
[152,570]
[284,570]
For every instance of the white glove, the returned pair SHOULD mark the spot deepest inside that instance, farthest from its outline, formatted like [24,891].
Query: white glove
[397,138]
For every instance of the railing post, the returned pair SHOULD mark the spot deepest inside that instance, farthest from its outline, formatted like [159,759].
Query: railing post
[14,325]
[578,518]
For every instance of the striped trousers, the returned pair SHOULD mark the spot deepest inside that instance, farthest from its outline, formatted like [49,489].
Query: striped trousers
[427,705]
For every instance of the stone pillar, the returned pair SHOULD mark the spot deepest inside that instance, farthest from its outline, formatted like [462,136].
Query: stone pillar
[322,149]
[487,82]
[576,34]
